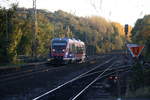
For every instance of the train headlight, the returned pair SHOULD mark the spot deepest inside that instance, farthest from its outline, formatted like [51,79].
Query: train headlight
[63,50]
[53,50]
[70,55]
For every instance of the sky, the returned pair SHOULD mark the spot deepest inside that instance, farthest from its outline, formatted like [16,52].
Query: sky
[122,11]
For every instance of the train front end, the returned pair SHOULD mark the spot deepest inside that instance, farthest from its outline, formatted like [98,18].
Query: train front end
[58,49]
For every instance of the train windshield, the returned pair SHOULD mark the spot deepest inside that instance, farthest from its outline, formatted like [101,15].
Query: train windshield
[59,46]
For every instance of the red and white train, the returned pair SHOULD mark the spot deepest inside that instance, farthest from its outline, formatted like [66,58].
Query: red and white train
[66,50]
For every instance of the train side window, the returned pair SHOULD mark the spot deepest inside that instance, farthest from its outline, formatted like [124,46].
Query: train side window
[81,49]
[73,48]
[77,49]
[69,47]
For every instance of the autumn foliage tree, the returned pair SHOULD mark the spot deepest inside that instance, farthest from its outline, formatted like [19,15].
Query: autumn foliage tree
[141,33]
[99,35]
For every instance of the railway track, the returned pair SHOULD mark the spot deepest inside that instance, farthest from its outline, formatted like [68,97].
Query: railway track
[97,89]
[22,67]
[75,88]
[33,69]
[25,73]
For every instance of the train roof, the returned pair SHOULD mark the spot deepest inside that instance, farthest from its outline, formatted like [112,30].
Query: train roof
[68,39]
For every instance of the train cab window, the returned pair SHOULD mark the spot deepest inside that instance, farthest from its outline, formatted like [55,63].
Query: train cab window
[59,46]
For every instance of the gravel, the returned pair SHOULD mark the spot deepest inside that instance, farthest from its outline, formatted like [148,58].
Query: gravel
[29,87]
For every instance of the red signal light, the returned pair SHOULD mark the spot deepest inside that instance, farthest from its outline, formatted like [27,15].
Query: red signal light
[113,78]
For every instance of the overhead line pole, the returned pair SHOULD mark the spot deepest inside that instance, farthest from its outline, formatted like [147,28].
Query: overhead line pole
[34,30]
[6,25]
[126,36]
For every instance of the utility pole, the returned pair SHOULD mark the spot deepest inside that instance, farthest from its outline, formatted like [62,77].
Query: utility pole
[126,35]
[34,30]
[6,25]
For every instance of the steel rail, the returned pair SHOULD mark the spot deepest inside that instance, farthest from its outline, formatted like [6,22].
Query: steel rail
[92,82]
[96,79]
[28,73]
[122,67]
[76,78]
[31,69]
[21,72]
